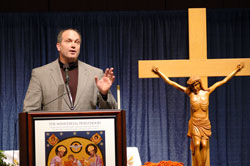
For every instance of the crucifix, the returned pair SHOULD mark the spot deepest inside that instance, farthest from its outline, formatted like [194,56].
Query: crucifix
[198,64]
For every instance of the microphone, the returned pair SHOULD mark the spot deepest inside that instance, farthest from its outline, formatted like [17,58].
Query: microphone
[66,69]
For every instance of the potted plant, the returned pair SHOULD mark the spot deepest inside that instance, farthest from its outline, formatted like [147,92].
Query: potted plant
[2,157]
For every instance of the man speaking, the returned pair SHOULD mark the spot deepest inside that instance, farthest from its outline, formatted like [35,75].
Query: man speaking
[67,83]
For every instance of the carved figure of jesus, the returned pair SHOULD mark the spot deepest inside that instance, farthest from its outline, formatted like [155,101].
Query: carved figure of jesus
[199,127]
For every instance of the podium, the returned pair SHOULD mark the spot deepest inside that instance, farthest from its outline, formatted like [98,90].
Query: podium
[43,133]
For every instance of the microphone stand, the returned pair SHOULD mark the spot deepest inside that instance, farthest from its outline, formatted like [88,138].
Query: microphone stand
[66,69]
[53,100]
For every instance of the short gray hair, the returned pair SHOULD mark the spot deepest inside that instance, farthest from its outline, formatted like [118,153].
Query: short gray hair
[59,36]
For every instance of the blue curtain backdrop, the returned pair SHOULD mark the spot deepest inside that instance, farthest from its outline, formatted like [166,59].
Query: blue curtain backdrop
[156,114]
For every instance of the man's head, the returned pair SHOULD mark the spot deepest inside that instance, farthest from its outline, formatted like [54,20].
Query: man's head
[61,151]
[194,83]
[68,45]
[91,149]
[71,157]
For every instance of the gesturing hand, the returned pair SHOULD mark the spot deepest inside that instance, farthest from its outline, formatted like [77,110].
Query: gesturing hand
[106,81]
[155,69]
[240,66]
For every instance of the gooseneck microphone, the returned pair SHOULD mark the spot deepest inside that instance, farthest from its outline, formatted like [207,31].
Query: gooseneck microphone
[61,94]
[66,69]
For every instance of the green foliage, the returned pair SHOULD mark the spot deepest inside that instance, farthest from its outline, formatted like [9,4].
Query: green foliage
[2,157]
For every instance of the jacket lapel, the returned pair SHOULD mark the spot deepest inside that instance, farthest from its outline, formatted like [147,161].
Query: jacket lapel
[58,80]
[82,80]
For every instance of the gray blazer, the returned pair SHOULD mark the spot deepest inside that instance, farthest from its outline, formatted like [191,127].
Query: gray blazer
[47,90]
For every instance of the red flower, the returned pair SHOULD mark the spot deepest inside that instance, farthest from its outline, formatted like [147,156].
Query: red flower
[164,163]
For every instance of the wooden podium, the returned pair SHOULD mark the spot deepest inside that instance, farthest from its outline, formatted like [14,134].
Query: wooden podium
[40,132]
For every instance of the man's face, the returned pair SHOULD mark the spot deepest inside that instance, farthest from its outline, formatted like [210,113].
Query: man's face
[71,158]
[196,87]
[69,48]
[92,152]
[61,153]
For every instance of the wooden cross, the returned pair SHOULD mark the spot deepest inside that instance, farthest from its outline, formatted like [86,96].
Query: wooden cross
[198,64]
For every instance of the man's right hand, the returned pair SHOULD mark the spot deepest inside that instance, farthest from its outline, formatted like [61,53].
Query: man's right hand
[240,66]
[155,69]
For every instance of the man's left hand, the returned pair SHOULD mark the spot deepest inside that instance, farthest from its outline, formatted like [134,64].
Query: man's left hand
[106,81]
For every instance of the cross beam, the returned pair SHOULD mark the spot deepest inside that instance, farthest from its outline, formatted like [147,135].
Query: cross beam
[198,64]
[196,67]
